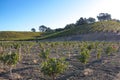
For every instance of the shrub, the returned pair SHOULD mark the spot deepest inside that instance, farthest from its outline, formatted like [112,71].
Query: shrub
[109,50]
[10,60]
[44,54]
[52,67]
[98,55]
[84,56]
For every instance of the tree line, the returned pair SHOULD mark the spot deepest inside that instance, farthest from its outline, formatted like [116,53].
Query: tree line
[81,21]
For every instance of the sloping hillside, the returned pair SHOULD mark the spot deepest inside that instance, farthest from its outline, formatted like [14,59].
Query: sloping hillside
[11,35]
[105,30]
[107,27]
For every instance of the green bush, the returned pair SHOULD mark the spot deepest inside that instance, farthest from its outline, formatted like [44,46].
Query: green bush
[84,56]
[99,52]
[109,50]
[10,60]
[44,54]
[52,67]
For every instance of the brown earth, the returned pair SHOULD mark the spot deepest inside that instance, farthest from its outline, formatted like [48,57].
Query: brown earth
[97,36]
[106,68]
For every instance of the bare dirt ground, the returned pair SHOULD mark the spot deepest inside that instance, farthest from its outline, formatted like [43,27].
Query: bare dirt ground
[100,36]
[106,68]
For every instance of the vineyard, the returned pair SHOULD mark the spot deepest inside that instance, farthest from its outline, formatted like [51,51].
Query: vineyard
[68,60]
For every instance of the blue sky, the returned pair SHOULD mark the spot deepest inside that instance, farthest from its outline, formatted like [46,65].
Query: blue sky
[22,15]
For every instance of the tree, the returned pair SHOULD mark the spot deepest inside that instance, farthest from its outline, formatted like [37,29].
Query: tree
[33,30]
[48,29]
[69,26]
[42,28]
[104,16]
[59,29]
[117,20]
[52,67]
[91,20]
[81,21]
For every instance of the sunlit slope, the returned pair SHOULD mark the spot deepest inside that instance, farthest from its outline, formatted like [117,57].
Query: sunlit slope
[104,26]
[14,35]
